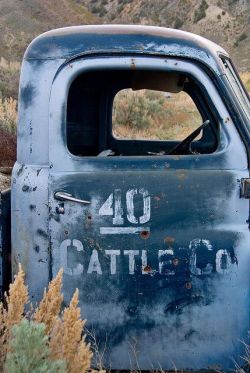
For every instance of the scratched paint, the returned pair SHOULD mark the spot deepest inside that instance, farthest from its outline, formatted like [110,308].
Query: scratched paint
[163,272]
[219,261]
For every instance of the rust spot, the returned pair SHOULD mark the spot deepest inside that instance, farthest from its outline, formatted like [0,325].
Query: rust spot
[188,285]
[89,217]
[157,198]
[133,67]
[25,188]
[144,234]
[147,269]
[169,240]
[175,261]
[181,174]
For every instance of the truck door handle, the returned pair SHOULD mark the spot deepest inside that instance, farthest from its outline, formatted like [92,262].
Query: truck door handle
[63,196]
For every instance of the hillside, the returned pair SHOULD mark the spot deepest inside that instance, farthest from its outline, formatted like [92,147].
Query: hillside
[22,20]
[227,22]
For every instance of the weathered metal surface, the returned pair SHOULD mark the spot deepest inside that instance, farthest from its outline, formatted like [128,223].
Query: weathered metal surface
[161,254]
[71,42]
[29,226]
[169,288]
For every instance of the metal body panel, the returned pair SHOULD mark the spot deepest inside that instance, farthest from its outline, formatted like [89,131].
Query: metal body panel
[184,302]
[171,288]
[70,42]
[33,115]
[157,294]
[29,226]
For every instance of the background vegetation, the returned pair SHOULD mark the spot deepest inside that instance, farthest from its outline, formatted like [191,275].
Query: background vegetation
[54,338]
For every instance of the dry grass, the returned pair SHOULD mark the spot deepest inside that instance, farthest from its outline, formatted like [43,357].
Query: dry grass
[67,343]
[8,119]
[8,114]
[9,67]
[50,305]
[245,77]
[9,78]
[64,330]
[172,117]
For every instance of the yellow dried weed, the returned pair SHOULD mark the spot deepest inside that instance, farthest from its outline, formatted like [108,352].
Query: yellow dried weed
[50,305]
[14,311]
[66,340]
[16,300]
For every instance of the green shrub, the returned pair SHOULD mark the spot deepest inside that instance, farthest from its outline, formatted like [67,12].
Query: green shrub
[178,23]
[33,355]
[201,11]
[138,109]
[240,38]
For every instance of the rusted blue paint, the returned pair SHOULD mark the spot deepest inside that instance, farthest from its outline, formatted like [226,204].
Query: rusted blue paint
[161,254]
[71,42]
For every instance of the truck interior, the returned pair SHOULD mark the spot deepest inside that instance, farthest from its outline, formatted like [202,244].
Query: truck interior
[93,117]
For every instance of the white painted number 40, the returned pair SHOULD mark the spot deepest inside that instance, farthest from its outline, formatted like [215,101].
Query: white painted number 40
[113,207]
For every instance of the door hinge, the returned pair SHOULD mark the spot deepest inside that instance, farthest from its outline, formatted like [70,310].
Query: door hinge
[245,188]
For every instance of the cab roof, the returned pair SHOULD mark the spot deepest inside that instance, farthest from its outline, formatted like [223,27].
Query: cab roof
[71,42]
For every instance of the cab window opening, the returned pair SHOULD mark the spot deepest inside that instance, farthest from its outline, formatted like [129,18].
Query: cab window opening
[129,113]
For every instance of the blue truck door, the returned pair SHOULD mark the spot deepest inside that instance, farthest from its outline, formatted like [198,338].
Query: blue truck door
[158,246]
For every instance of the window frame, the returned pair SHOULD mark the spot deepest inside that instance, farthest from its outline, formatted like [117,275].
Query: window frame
[229,140]
[236,85]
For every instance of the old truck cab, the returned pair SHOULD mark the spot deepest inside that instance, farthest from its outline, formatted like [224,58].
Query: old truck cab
[153,231]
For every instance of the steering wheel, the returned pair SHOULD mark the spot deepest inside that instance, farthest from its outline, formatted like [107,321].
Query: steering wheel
[184,145]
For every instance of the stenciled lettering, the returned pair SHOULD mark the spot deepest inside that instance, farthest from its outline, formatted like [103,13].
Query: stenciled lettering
[137,260]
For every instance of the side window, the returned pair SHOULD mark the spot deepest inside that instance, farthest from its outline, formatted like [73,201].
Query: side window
[135,113]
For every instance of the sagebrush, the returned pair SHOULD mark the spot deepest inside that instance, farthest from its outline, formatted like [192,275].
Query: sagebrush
[54,339]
